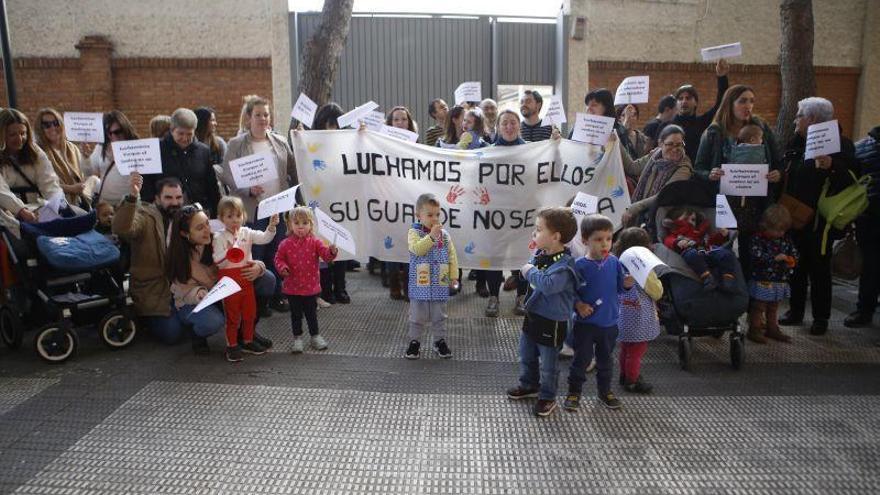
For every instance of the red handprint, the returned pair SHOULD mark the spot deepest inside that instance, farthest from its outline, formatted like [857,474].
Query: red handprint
[454,193]
[482,195]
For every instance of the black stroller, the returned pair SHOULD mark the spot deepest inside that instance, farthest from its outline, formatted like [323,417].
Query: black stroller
[686,309]
[66,277]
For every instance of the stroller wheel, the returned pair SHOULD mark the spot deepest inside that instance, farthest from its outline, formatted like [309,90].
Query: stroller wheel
[684,353]
[737,352]
[11,328]
[117,330]
[56,343]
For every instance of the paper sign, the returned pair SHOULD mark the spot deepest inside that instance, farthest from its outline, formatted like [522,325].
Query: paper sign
[216,225]
[468,91]
[332,231]
[83,127]
[592,129]
[279,203]
[254,170]
[639,261]
[724,218]
[584,204]
[374,121]
[633,89]
[49,211]
[141,155]
[221,290]
[822,139]
[399,133]
[351,118]
[722,51]
[744,180]
[304,110]
[555,112]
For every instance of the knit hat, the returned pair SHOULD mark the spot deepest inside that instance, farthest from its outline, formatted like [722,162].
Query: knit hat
[687,88]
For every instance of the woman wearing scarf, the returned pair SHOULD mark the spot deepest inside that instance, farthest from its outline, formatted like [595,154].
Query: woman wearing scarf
[666,164]
[64,155]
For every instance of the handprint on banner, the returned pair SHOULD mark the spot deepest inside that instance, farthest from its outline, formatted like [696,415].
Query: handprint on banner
[598,158]
[389,242]
[617,192]
[469,249]
[454,193]
[319,164]
[482,195]
[314,204]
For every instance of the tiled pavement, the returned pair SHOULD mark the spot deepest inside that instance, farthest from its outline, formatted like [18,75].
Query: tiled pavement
[358,418]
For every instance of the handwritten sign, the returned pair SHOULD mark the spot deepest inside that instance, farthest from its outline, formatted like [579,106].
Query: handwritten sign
[399,133]
[592,129]
[584,204]
[639,261]
[84,127]
[722,51]
[822,139]
[140,156]
[468,91]
[351,118]
[724,218]
[253,170]
[555,112]
[374,121]
[279,203]
[335,233]
[633,89]
[304,110]
[224,288]
[744,180]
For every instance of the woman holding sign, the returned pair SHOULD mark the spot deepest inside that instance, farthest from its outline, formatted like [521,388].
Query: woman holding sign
[803,188]
[718,146]
[26,175]
[114,186]
[260,139]
[63,154]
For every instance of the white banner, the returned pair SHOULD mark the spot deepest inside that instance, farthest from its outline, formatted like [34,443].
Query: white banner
[489,198]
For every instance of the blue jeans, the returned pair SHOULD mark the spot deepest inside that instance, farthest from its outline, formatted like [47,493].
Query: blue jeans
[721,259]
[207,322]
[529,354]
[590,340]
[266,252]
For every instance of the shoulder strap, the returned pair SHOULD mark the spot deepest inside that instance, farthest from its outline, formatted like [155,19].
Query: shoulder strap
[12,161]
[104,179]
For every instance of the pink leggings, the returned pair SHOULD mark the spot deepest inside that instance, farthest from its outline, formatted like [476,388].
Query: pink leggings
[631,359]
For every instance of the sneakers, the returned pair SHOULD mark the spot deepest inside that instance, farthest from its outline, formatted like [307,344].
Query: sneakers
[253,348]
[322,303]
[412,352]
[318,343]
[279,304]
[520,392]
[263,341]
[638,387]
[492,307]
[233,354]
[298,346]
[858,319]
[610,401]
[520,308]
[544,407]
[442,349]
[820,327]
[454,288]
[342,297]
[572,402]
[567,352]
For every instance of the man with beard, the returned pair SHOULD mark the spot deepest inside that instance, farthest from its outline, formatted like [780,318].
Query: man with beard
[145,227]
[530,108]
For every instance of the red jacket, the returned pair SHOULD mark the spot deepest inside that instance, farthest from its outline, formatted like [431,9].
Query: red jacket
[301,256]
[683,229]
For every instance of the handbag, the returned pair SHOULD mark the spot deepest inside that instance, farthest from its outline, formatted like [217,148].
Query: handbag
[801,213]
[846,258]
[842,209]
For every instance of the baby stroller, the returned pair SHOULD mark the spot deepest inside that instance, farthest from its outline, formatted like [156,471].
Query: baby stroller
[65,278]
[687,309]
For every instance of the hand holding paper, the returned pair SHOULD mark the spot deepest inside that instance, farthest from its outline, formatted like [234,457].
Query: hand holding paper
[639,261]
[221,290]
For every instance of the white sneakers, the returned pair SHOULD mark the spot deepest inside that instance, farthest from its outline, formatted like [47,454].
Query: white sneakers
[317,342]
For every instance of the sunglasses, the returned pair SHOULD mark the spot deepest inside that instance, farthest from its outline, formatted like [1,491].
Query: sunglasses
[50,124]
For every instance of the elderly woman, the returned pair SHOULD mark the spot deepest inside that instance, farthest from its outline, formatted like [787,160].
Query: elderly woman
[490,113]
[259,138]
[805,181]
[717,147]
[26,175]
[63,154]
[666,164]
[114,186]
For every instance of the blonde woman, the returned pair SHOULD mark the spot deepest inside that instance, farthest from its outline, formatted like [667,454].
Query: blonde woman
[64,155]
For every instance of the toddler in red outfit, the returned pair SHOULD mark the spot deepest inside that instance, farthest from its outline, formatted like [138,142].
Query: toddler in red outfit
[241,307]
[297,260]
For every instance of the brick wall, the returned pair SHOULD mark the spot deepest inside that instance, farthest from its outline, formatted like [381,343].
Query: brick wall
[838,84]
[140,87]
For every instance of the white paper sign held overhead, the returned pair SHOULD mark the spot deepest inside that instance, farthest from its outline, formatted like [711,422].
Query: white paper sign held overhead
[254,170]
[727,51]
[822,139]
[592,129]
[84,127]
[633,89]
[351,118]
[555,112]
[277,204]
[468,91]
[304,110]
[141,155]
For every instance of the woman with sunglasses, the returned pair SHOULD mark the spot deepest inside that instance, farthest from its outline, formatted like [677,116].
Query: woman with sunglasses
[26,175]
[64,155]
[114,186]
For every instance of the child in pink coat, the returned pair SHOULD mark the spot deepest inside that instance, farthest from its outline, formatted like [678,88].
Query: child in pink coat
[297,260]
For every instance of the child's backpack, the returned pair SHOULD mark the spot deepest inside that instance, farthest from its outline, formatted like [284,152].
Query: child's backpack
[840,210]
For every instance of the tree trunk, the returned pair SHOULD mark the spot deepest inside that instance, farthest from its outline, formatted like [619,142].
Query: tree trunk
[320,59]
[795,62]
